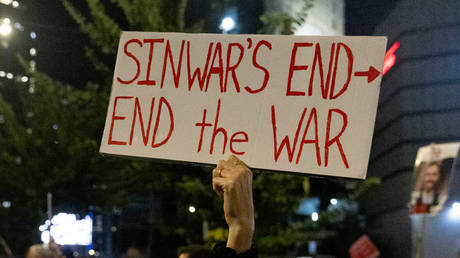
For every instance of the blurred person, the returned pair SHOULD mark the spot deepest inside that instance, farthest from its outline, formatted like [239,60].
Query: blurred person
[133,252]
[43,251]
[194,251]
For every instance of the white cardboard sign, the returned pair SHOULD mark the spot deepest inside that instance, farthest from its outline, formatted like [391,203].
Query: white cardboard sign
[288,103]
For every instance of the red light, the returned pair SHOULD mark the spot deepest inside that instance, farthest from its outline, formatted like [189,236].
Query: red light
[390,58]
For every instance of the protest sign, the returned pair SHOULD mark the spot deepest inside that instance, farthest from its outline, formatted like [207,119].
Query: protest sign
[363,248]
[432,172]
[288,103]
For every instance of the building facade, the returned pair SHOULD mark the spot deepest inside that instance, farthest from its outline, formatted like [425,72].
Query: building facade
[419,104]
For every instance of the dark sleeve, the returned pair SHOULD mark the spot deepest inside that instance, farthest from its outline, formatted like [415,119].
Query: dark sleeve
[221,251]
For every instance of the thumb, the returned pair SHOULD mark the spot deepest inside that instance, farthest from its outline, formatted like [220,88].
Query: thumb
[218,184]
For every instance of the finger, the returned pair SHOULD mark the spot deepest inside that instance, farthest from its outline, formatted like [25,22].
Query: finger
[226,164]
[220,172]
[235,160]
[216,172]
[218,185]
[218,190]
[219,181]
[221,164]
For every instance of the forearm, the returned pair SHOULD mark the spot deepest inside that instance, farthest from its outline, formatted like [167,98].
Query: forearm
[240,238]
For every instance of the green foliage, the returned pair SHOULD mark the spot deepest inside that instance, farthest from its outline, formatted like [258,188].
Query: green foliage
[51,132]
[364,187]
[102,30]
[50,135]
[280,22]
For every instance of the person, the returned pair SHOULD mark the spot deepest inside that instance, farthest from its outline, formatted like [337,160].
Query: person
[428,198]
[133,252]
[232,181]
[43,251]
[194,251]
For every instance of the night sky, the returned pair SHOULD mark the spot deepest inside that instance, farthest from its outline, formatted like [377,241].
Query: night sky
[361,16]
[60,45]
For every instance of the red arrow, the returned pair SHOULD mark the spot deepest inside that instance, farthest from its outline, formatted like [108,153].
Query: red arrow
[371,74]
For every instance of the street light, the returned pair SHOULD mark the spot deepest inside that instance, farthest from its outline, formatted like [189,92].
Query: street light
[7,2]
[5,27]
[314,216]
[33,52]
[227,24]
[6,204]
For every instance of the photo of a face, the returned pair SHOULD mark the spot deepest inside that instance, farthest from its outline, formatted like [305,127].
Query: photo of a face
[431,177]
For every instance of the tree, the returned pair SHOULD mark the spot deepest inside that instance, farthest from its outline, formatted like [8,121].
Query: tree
[50,134]
[280,22]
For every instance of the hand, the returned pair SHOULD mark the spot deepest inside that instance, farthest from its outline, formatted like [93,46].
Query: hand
[232,180]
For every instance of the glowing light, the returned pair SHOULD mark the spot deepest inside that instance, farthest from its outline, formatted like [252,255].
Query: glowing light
[33,35]
[7,2]
[42,228]
[9,75]
[2,74]
[6,204]
[5,29]
[191,209]
[390,58]
[314,216]
[454,212]
[33,52]
[6,21]
[91,252]
[15,4]
[18,26]
[45,237]
[227,24]
[32,65]
[334,201]
[66,229]
[24,78]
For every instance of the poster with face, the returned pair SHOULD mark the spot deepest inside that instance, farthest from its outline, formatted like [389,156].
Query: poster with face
[432,172]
